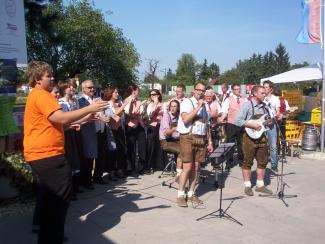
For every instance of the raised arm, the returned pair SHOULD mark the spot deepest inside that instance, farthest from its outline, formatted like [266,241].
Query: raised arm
[60,117]
[120,110]
[188,117]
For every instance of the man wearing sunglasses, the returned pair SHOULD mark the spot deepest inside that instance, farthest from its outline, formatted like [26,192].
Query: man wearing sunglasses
[92,135]
[194,133]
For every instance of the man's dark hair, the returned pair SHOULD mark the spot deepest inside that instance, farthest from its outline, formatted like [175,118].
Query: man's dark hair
[199,82]
[181,86]
[256,88]
[233,86]
[268,82]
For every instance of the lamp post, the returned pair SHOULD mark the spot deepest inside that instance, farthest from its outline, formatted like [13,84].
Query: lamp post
[166,81]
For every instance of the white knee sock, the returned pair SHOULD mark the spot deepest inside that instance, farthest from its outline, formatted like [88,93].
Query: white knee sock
[247,184]
[180,193]
[259,183]
[190,193]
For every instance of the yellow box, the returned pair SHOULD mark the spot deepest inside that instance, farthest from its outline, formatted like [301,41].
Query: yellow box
[316,116]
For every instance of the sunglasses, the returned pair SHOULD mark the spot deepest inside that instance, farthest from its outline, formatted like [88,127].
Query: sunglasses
[153,94]
[199,90]
[90,87]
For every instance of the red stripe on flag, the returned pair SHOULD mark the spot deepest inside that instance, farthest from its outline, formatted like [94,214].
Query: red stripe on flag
[314,20]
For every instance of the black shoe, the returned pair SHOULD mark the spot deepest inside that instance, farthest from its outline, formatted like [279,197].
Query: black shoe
[35,229]
[89,187]
[78,191]
[121,176]
[73,198]
[100,182]
[275,169]
[149,172]
[145,172]
[112,178]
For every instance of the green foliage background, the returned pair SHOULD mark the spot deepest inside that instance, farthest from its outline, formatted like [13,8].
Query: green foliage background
[76,39]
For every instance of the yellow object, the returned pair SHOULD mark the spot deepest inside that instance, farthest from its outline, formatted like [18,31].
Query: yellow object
[316,116]
[293,138]
[294,98]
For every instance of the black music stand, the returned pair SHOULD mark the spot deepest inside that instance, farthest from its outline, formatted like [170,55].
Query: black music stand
[171,164]
[220,155]
[280,189]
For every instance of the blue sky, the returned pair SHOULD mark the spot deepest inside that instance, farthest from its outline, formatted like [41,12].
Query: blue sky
[223,31]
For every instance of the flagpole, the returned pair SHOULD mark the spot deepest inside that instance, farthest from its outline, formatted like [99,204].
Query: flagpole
[323,80]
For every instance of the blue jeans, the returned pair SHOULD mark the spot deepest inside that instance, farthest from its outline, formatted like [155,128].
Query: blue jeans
[272,134]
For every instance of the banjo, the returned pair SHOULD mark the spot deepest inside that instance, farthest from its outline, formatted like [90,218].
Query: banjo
[263,120]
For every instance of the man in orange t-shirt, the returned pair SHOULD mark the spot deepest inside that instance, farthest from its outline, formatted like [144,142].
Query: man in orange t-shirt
[44,149]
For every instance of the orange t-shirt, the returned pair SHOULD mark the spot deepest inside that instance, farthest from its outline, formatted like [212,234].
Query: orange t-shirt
[42,139]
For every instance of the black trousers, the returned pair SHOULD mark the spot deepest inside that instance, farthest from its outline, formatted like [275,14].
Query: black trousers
[54,175]
[155,153]
[119,137]
[282,126]
[36,185]
[86,164]
[101,159]
[134,135]
[234,134]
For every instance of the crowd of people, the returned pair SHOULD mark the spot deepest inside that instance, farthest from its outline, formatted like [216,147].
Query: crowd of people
[73,140]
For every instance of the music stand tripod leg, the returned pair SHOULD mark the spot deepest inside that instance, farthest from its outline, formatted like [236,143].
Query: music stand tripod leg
[222,213]
[172,166]
[280,194]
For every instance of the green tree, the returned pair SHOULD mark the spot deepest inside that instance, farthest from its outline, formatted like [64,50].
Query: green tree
[186,69]
[43,39]
[269,64]
[258,66]
[149,79]
[170,75]
[214,70]
[204,71]
[299,65]
[80,41]
[35,19]
[171,78]
[281,59]
[230,77]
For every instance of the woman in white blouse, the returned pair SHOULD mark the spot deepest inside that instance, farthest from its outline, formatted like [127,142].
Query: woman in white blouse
[117,157]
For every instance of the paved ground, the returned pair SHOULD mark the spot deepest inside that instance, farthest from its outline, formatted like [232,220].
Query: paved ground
[141,210]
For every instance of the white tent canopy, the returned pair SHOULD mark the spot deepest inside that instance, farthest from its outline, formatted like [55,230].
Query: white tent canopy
[312,72]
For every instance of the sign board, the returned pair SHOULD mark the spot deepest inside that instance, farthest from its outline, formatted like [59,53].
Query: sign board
[12,31]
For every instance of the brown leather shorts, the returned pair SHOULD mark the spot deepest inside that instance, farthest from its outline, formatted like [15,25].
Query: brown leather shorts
[255,149]
[193,148]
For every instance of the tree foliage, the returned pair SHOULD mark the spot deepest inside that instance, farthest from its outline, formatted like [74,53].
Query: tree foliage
[78,40]
[207,72]
[214,70]
[204,71]
[281,59]
[186,69]
[258,66]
